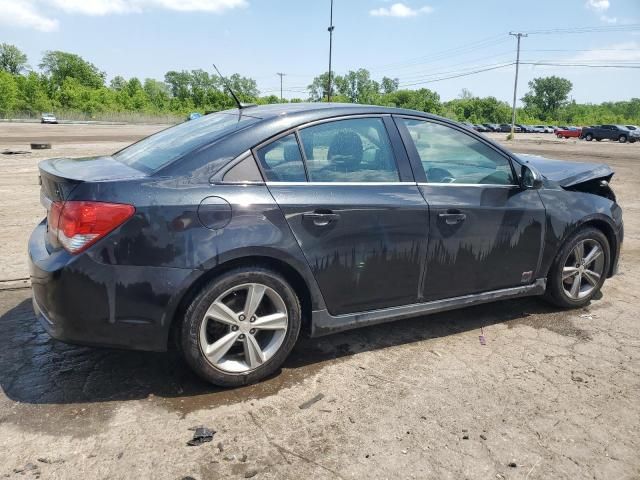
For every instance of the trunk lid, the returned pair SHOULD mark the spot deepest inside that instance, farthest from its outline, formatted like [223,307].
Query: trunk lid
[59,176]
[568,174]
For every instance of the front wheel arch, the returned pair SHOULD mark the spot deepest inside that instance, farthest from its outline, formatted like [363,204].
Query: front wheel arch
[608,231]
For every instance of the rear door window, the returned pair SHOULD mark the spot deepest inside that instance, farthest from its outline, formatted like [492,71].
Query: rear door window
[351,150]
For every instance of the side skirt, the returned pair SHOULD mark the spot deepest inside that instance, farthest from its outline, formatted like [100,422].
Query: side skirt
[323,323]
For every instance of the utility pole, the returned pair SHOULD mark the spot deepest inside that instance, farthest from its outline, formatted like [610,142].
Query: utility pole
[330,29]
[515,85]
[281,75]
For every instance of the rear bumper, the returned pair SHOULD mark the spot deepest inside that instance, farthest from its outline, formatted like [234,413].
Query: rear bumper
[79,300]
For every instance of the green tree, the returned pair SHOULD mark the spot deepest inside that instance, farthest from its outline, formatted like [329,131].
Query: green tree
[8,93]
[178,84]
[358,87]
[32,93]
[424,100]
[157,93]
[117,83]
[12,60]
[60,66]
[547,95]
[389,85]
[319,88]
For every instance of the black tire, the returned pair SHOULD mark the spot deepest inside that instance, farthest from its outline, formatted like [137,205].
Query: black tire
[559,136]
[622,139]
[555,292]
[588,137]
[194,316]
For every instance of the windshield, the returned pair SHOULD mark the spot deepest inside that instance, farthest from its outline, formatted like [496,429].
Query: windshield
[162,148]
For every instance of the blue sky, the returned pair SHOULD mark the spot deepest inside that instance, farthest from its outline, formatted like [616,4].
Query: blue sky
[414,40]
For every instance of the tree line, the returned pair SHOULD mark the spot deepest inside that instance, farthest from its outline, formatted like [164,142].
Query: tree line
[65,81]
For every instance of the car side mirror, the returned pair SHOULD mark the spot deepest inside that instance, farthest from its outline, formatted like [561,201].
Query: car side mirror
[530,178]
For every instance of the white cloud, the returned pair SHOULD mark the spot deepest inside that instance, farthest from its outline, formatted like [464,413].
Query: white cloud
[598,5]
[608,19]
[106,7]
[96,7]
[32,13]
[17,13]
[400,10]
[619,52]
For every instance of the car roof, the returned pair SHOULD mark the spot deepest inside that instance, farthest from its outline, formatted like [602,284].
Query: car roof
[321,110]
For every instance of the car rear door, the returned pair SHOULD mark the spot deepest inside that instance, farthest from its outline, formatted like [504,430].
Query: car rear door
[485,231]
[347,191]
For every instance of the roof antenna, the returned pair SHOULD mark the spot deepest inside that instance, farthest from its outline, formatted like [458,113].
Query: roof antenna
[226,84]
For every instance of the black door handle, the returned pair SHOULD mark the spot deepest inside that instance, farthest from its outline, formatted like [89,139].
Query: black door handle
[453,217]
[322,219]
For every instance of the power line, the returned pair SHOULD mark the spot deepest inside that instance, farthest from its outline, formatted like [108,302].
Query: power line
[459,75]
[594,29]
[442,54]
[587,65]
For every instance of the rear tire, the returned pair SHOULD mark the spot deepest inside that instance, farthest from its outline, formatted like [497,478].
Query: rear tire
[588,137]
[241,349]
[574,279]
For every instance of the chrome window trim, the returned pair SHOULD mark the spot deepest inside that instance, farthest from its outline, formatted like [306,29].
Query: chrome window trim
[337,184]
[499,185]
[296,131]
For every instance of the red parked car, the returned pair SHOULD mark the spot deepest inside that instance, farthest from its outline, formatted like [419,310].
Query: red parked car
[568,132]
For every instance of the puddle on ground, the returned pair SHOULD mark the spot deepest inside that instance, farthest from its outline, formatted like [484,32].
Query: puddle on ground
[557,322]
[65,389]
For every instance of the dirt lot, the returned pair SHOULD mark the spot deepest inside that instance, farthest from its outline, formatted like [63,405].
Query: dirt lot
[553,394]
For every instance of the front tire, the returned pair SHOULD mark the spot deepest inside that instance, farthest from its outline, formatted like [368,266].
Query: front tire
[622,139]
[579,269]
[588,137]
[241,327]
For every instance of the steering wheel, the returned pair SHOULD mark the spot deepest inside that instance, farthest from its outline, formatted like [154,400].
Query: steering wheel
[439,175]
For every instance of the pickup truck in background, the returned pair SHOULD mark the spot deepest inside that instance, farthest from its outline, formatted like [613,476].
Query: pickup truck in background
[618,133]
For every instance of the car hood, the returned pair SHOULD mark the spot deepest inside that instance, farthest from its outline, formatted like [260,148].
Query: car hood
[567,174]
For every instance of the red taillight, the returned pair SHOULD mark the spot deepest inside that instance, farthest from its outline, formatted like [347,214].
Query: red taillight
[79,224]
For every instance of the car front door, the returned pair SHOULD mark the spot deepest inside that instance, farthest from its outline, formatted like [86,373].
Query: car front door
[347,191]
[485,231]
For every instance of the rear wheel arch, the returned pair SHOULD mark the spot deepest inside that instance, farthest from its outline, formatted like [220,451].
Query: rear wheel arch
[288,272]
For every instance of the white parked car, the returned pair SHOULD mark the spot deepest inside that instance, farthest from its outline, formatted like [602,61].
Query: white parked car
[48,118]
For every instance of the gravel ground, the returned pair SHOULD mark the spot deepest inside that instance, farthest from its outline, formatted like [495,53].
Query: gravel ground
[553,394]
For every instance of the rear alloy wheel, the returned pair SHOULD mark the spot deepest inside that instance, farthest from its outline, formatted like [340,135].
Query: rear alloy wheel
[588,137]
[241,327]
[579,269]
[622,139]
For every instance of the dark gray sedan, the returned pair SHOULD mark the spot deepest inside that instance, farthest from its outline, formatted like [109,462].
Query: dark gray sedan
[232,233]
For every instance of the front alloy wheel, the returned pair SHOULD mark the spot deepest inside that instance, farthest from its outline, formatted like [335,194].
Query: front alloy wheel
[579,269]
[583,269]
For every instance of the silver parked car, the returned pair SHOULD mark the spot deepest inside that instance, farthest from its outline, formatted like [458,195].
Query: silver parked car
[48,118]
